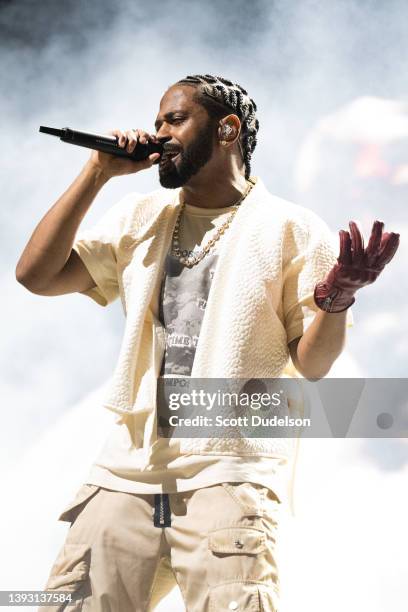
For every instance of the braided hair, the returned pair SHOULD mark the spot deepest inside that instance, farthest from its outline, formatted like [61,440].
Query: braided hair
[218,96]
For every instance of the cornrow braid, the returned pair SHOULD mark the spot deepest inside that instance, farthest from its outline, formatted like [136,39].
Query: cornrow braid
[217,95]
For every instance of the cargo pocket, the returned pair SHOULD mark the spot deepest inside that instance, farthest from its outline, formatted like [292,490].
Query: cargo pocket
[243,596]
[237,541]
[237,554]
[82,497]
[70,573]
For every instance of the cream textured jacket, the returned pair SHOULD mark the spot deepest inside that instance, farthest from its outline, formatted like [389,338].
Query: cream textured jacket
[261,297]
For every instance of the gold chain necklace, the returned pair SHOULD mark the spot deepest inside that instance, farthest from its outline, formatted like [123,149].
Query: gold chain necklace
[192,260]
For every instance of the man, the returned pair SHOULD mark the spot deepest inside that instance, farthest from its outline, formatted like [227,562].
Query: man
[218,279]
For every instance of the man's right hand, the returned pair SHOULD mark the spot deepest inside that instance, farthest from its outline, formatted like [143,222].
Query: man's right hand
[113,165]
[48,264]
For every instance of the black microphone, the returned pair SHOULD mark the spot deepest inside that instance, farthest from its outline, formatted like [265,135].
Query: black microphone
[104,143]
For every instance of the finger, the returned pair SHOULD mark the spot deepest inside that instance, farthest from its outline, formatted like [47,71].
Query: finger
[136,166]
[144,136]
[357,242]
[148,161]
[121,136]
[345,256]
[154,157]
[131,140]
[374,243]
[389,246]
[138,135]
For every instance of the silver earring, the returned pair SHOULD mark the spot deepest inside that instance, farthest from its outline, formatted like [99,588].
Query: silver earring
[227,130]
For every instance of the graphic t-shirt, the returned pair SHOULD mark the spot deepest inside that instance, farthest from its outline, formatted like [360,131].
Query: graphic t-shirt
[183,298]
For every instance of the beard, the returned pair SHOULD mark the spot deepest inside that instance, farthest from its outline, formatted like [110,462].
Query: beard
[189,162]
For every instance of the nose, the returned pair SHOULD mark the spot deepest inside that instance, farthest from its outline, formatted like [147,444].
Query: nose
[163,133]
[163,139]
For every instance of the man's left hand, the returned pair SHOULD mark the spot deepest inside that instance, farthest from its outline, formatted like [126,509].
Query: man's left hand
[356,267]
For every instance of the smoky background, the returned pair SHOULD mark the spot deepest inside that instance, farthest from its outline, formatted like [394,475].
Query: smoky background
[331,87]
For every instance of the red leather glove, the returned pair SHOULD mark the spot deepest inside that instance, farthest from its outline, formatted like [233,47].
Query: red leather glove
[356,267]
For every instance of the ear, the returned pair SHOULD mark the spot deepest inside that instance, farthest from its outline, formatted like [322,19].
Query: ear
[229,129]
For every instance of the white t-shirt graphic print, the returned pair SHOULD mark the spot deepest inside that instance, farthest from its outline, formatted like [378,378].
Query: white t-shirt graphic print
[184,291]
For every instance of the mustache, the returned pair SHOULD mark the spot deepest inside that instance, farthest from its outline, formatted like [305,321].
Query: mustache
[169,150]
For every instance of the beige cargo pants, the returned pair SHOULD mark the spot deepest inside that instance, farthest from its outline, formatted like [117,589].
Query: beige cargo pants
[124,552]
